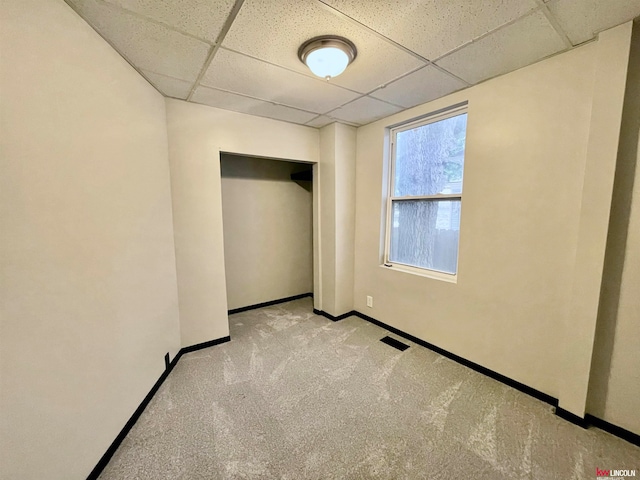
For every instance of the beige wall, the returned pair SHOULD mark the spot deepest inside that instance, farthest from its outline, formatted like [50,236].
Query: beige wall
[267,217]
[337,218]
[327,271]
[527,140]
[88,270]
[87,267]
[345,216]
[579,328]
[623,389]
[614,390]
[197,135]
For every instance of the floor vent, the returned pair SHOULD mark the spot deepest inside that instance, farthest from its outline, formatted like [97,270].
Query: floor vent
[394,343]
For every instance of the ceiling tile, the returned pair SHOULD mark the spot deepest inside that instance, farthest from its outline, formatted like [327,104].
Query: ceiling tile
[320,121]
[582,19]
[201,18]
[364,110]
[241,74]
[433,27]
[251,106]
[419,87]
[521,43]
[169,87]
[147,45]
[273,31]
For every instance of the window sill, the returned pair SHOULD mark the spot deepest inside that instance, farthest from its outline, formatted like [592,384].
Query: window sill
[444,277]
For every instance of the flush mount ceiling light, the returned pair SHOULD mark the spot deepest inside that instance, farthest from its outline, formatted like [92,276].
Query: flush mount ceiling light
[327,56]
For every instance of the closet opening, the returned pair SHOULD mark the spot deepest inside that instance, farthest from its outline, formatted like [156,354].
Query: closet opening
[268,226]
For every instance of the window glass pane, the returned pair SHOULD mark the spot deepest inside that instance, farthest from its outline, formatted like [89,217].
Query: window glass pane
[424,233]
[430,158]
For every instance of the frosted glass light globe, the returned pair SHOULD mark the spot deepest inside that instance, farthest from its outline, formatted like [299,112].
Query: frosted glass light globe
[327,62]
[327,56]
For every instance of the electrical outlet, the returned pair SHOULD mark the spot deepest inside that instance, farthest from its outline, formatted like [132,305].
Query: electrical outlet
[369,301]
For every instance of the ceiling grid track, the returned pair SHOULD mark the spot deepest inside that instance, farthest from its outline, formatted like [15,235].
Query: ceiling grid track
[216,46]
[313,77]
[172,46]
[488,33]
[541,7]
[126,59]
[262,100]
[353,21]
[410,72]
[555,24]
[158,22]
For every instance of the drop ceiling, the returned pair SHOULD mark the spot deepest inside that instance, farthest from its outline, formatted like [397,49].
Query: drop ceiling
[242,55]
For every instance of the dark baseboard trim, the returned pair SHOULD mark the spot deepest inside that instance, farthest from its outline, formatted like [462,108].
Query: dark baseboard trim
[97,470]
[268,304]
[588,420]
[613,429]
[332,318]
[463,361]
[202,345]
[571,417]
[560,412]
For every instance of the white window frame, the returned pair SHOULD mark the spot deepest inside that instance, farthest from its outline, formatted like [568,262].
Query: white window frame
[393,132]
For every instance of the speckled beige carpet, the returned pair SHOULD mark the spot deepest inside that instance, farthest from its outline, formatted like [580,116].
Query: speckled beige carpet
[296,396]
